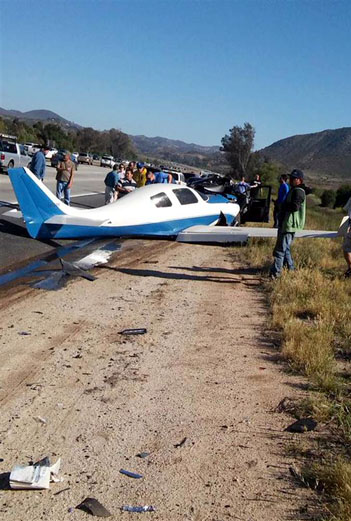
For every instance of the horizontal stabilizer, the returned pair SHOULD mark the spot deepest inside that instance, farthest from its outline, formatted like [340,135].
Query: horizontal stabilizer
[75,220]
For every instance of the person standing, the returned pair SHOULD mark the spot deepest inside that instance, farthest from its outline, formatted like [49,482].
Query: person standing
[140,175]
[255,186]
[291,219]
[111,181]
[38,163]
[64,177]
[126,185]
[121,171]
[282,193]
[346,245]
[242,187]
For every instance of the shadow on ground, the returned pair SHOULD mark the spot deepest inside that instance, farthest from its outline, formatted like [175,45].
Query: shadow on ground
[172,276]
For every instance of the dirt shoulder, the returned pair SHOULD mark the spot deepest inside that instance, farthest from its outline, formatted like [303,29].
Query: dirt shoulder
[204,373]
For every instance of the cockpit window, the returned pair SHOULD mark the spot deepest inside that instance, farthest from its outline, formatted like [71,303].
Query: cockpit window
[203,196]
[185,196]
[161,200]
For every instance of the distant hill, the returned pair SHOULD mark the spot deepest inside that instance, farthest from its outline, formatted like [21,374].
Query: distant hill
[148,145]
[322,155]
[326,153]
[153,147]
[46,116]
[177,151]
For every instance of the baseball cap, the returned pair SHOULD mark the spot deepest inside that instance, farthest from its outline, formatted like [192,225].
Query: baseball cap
[140,165]
[296,174]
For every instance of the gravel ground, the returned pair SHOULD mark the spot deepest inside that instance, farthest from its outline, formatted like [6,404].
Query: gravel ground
[198,392]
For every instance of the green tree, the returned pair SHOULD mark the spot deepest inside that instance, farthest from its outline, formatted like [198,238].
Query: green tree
[87,139]
[238,146]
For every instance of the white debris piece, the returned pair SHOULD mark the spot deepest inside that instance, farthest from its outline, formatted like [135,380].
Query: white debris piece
[34,476]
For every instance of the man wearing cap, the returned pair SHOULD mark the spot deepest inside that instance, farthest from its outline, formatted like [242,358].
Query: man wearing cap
[64,177]
[291,219]
[140,175]
[38,164]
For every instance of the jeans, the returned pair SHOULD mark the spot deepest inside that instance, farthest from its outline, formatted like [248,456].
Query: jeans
[63,190]
[281,253]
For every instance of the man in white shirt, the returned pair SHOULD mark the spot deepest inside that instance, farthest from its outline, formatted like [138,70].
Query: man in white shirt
[346,245]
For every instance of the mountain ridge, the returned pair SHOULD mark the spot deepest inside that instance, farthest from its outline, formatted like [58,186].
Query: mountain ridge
[326,153]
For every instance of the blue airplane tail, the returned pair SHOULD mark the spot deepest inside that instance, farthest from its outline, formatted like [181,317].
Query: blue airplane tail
[36,201]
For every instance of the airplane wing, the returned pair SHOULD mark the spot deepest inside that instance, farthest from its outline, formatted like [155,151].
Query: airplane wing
[230,234]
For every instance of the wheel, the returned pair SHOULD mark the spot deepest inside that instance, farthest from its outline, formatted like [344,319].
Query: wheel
[11,164]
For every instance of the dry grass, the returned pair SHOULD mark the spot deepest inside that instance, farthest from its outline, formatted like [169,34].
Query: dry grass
[335,481]
[311,307]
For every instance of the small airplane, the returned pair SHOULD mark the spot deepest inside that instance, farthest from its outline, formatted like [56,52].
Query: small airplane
[163,211]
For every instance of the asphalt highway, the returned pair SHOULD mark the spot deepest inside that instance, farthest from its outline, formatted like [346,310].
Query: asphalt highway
[16,247]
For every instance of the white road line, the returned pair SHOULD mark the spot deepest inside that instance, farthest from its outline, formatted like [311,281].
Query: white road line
[72,196]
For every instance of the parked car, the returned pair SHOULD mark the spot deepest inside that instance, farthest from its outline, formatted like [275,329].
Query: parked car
[107,161]
[178,177]
[51,152]
[32,148]
[11,153]
[85,158]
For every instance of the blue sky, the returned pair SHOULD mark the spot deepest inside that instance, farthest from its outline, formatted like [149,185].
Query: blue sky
[182,69]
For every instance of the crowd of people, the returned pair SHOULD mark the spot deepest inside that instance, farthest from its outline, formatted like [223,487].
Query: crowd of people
[121,181]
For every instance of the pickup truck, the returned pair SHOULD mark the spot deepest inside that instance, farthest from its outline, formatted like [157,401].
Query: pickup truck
[107,161]
[12,155]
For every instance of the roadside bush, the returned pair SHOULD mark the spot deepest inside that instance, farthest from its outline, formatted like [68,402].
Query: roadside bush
[328,198]
[342,195]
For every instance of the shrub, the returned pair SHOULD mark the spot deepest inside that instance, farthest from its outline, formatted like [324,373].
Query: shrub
[328,198]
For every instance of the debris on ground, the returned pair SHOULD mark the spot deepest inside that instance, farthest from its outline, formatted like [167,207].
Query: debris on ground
[36,476]
[40,419]
[24,333]
[143,455]
[135,331]
[130,474]
[139,509]
[62,490]
[70,268]
[94,507]
[302,425]
[181,443]
[286,405]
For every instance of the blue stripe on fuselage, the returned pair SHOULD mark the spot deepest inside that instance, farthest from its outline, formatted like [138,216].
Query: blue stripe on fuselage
[160,229]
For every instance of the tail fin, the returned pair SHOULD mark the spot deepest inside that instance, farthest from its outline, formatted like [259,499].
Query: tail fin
[36,201]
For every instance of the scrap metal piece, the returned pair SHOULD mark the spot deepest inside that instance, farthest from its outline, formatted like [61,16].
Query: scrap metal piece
[143,455]
[135,331]
[181,443]
[130,474]
[70,268]
[139,509]
[302,425]
[94,507]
